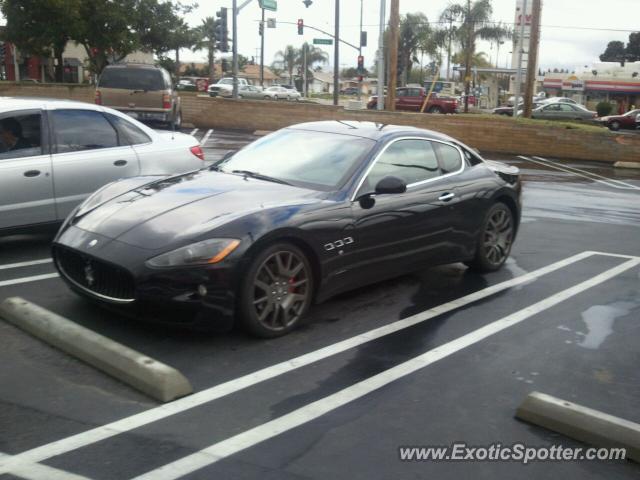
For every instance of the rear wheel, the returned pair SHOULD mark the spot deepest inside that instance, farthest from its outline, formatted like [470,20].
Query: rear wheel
[615,126]
[267,97]
[275,97]
[436,110]
[276,291]
[496,238]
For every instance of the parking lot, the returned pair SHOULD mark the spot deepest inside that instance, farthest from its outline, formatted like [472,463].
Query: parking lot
[431,358]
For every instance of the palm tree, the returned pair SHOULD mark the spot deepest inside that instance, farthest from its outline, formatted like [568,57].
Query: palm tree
[414,34]
[451,15]
[206,39]
[476,23]
[288,58]
[314,55]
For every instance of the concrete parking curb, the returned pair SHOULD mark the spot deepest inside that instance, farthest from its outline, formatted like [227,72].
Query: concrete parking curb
[581,423]
[143,373]
[627,165]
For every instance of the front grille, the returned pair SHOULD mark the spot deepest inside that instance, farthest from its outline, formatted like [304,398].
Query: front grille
[101,278]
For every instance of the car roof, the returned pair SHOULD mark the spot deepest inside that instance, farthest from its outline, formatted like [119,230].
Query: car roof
[16,103]
[371,130]
[133,65]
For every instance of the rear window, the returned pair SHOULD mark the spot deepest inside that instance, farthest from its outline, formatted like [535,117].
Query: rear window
[132,79]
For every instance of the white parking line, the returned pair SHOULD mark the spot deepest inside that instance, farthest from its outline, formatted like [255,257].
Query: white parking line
[204,140]
[585,172]
[249,438]
[25,264]
[97,434]
[565,168]
[194,131]
[34,278]
[42,472]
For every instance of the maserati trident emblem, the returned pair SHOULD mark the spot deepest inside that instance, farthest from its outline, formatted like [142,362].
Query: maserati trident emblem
[93,243]
[89,275]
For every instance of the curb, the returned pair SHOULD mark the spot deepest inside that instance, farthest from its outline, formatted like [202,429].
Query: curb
[581,423]
[143,373]
[627,165]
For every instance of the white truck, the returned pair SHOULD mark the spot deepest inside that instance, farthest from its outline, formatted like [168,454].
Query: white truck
[224,87]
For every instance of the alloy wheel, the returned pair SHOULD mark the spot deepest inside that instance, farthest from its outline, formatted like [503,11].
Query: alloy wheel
[281,290]
[498,236]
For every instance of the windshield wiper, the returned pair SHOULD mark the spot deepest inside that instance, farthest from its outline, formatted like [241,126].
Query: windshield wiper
[259,176]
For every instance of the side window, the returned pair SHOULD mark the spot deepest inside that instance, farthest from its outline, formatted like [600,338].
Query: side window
[411,160]
[401,93]
[450,159]
[78,130]
[20,135]
[129,133]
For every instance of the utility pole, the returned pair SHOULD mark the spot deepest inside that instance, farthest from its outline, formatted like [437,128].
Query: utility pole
[450,20]
[262,51]
[383,17]
[305,47]
[235,49]
[336,56]
[467,70]
[394,27]
[523,20]
[532,60]
[359,54]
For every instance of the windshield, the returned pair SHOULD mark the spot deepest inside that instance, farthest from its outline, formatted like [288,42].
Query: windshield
[316,160]
[132,79]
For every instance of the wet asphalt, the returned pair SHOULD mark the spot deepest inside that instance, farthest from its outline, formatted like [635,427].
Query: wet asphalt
[584,349]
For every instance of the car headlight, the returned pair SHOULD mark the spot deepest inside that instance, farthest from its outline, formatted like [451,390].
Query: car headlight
[202,253]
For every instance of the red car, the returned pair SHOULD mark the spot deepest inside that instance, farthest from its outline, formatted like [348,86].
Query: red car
[628,120]
[411,99]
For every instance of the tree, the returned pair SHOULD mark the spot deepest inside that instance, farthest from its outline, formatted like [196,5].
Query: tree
[314,55]
[41,27]
[288,59]
[206,40]
[476,23]
[451,15]
[633,47]
[615,52]
[414,34]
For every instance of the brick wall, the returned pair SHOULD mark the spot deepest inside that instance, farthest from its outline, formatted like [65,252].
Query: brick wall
[498,135]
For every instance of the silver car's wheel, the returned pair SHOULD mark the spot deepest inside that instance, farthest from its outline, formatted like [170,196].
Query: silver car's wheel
[275,97]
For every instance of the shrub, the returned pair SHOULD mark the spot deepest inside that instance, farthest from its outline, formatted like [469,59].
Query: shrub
[604,109]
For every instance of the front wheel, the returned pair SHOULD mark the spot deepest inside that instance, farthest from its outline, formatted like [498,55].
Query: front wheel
[436,110]
[496,238]
[615,126]
[275,97]
[276,291]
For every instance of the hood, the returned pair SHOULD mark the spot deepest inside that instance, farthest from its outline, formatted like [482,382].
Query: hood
[179,208]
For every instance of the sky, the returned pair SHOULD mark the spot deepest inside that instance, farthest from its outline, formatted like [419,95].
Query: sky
[561,46]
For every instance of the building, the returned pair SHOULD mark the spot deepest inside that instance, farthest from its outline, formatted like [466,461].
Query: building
[603,81]
[16,66]
[251,72]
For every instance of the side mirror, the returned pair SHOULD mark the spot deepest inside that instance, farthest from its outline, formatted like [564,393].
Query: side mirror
[391,184]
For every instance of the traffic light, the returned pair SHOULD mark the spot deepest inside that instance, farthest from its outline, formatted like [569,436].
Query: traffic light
[360,64]
[307,3]
[261,28]
[300,26]
[363,39]
[222,31]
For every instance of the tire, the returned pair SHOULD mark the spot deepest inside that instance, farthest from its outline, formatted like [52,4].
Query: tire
[492,252]
[615,126]
[240,96]
[276,291]
[436,110]
[267,97]
[275,97]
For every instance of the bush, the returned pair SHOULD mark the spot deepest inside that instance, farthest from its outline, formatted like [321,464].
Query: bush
[604,109]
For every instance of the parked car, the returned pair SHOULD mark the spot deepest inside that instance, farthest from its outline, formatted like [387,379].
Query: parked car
[280,93]
[411,99]
[298,216]
[560,100]
[350,91]
[144,92]
[628,120]
[506,110]
[224,87]
[186,86]
[250,91]
[563,111]
[55,153]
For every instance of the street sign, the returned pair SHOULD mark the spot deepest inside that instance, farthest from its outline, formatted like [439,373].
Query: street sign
[271,23]
[269,4]
[323,41]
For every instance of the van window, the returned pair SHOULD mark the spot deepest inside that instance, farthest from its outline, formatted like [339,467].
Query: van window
[132,79]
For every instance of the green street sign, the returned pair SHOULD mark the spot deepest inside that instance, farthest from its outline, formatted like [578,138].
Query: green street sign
[269,4]
[323,41]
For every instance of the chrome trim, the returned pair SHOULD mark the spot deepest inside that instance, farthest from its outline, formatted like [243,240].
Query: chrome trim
[121,301]
[457,172]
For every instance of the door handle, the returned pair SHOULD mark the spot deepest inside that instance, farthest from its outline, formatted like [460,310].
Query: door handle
[120,163]
[32,173]
[445,197]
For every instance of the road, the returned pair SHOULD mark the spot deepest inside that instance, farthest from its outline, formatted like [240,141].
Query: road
[413,361]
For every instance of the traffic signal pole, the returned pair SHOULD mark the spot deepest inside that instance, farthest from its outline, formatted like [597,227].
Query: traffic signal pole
[262,51]
[523,19]
[383,17]
[336,55]
[532,59]
[359,55]
[235,49]
[394,27]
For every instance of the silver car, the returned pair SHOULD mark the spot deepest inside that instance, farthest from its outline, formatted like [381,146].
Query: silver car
[250,91]
[563,111]
[281,93]
[55,153]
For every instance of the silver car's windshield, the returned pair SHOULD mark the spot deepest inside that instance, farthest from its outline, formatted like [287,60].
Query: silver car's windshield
[317,160]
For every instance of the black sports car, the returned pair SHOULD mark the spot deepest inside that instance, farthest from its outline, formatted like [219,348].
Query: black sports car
[297,216]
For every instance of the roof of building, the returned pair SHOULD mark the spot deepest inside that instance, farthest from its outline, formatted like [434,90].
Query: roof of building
[249,71]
